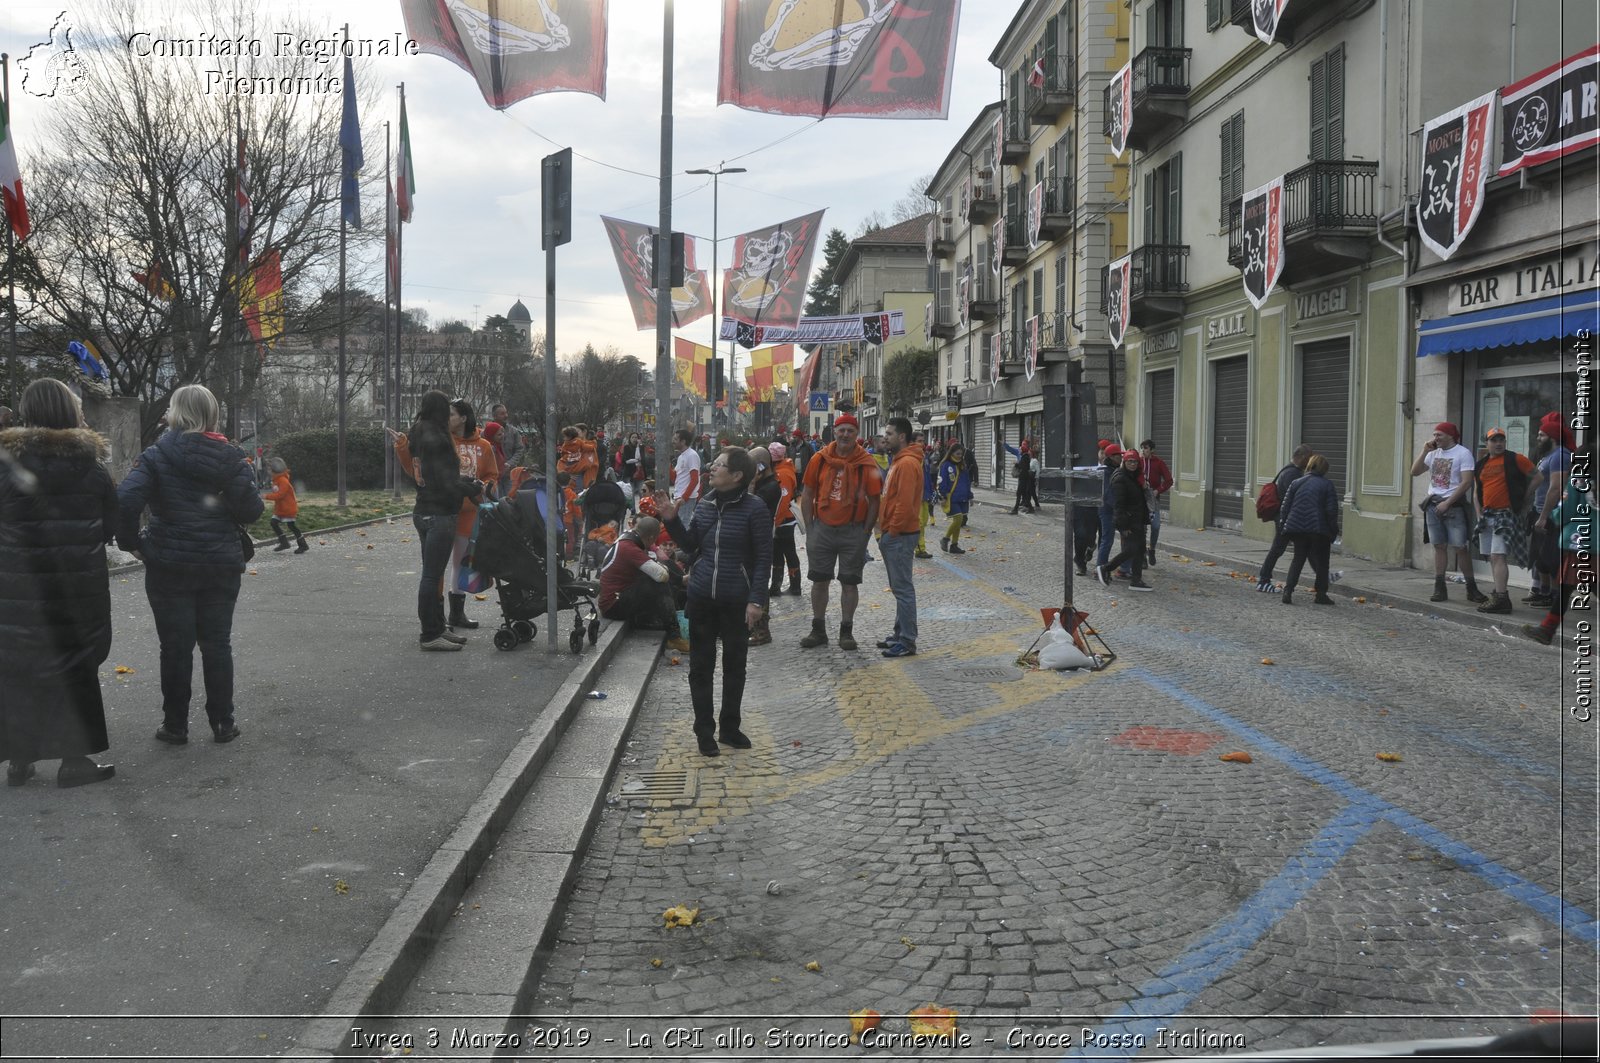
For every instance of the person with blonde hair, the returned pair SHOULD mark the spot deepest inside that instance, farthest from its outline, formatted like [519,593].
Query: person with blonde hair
[1309,520]
[201,493]
[58,509]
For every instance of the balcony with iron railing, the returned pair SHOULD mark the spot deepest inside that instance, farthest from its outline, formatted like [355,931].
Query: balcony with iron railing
[1158,285]
[1160,95]
[1056,220]
[1330,211]
[1044,103]
[983,302]
[1016,247]
[983,208]
[943,325]
[944,239]
[1055,335]
[1014,138]
[1242,14]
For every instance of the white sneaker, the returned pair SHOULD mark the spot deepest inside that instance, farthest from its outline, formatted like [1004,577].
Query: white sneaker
[440,645]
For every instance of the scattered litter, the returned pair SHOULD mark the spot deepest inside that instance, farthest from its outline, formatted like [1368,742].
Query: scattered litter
[864,1020]
[596,695]
[1268,660]
[680,915]
[773,889]
[1389,758]
[123,669]
[656,962]
[480,597]
[814,967]
[341,887]
[633,786]
[931,1020]
[908,943]
[1237,757]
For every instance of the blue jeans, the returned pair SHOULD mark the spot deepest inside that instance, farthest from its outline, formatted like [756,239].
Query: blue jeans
[1108,533]
[438,537]
[897,549]
[187,613]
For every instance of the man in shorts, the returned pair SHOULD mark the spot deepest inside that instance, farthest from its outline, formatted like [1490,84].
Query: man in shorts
[839,504]
[1449,467]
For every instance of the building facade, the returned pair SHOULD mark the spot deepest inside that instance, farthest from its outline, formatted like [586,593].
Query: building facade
[1227,389]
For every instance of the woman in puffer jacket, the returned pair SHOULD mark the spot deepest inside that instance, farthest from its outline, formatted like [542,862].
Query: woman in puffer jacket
[58,509]
[1309,519]
[200,490]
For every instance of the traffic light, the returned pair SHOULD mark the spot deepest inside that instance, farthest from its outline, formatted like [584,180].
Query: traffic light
[717,382]
[675,262]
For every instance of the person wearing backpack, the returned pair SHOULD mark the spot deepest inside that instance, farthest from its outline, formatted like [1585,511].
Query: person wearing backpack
[1269,504]
[1505,491]
[1309,518]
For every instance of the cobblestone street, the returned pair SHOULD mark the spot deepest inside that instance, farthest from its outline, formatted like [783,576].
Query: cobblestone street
[1064,860]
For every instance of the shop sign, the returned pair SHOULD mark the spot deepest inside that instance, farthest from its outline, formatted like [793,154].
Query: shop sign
[1322,303]
[1161,342]
[1227,326]
[1573,270]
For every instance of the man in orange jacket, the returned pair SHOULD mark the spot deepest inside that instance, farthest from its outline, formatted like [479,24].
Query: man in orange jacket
[839,506]
[899,524]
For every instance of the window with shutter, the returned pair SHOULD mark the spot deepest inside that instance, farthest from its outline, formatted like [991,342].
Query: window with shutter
[1038,291]
[944,305]
[1051,44]
[1150,235]
[1164,24]
[1213,14]
[1061,283]
[1327,106]
[1232,171]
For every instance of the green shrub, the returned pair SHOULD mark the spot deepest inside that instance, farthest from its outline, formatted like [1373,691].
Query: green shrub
[313,458]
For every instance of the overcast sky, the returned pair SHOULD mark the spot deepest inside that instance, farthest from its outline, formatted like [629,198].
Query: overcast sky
[473,245]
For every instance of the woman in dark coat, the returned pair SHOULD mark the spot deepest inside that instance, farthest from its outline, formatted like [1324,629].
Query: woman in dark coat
[1309,518]
[58,509]
[200,490]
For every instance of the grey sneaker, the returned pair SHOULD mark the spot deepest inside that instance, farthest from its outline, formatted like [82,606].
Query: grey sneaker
[440,645]
[459,640]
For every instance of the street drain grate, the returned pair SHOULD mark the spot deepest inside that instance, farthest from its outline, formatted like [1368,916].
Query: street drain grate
[987,675]
[658,786]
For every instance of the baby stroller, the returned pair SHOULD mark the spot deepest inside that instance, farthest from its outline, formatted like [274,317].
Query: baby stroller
[509,548]
[602,504]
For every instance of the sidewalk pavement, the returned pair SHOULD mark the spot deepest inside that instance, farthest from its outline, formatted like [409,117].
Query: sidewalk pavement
[1396,586]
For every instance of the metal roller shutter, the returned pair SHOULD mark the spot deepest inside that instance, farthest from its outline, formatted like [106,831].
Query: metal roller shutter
[983,442]
[1007,461]
[1325,405]
[1229,423]
[1161,422]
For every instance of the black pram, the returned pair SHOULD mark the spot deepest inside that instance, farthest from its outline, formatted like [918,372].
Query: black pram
[509,547]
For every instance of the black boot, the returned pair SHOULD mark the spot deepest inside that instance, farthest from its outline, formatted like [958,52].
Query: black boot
[777,581]
[1474,595]
[458,613]
[304,546]
[794,582]
[1439,592]
[283,540]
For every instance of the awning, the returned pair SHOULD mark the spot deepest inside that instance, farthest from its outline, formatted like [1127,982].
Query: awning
[1507,326]
[1001,409]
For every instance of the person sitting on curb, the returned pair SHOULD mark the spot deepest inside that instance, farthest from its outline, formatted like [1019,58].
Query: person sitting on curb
[1309,518]
[1447,464]
[633,584]
[1132,518]
[839,506]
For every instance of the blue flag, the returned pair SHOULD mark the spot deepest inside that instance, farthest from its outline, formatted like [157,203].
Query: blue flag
[350,146]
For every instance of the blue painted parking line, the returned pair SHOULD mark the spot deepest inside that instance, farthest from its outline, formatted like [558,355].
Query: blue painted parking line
[948,567]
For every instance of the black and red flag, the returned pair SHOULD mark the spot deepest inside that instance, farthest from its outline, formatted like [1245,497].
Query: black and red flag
[634,245]
[766,285]
[1455,162]
[1552,113]
[1262,218]
[1120,116]
[1264,15]
[516,48]
[830,59]
[1119,285]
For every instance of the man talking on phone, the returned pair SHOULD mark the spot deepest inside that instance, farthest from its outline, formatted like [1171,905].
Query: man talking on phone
[1449,467]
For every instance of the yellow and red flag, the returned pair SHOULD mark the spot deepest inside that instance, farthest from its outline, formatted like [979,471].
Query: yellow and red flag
[261,299]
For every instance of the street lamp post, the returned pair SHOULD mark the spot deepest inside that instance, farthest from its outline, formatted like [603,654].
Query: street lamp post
[716,318]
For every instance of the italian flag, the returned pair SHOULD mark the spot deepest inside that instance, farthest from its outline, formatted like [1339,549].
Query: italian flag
[11,177]
[406,183]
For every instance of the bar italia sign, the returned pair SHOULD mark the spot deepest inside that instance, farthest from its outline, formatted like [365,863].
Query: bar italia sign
[1574,270]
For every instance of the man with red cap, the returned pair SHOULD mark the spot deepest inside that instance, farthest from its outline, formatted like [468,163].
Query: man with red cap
[1505,491]
[839,505]
[1110,462]
[1449,467]
[1550,484]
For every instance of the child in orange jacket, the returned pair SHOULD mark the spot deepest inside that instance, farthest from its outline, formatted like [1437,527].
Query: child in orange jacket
[285,507]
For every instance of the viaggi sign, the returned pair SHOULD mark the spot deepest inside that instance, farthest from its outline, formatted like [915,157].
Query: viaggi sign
[1572,270]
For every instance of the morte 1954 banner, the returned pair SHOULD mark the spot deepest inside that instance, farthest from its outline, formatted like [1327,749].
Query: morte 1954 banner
[839,58]
[634,245]
[516,48]
[1455,161]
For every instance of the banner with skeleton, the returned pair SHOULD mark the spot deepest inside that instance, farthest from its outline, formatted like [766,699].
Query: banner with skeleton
[766,285]
[634,245]
[863,59]
[1121,117]
[1455,163]
[1035,213]
[1261,217]
[997,345]
[1119,284]
[516,48]
[1030,357]
[1551,113]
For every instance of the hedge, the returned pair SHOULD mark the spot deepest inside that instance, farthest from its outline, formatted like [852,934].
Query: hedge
[313,458]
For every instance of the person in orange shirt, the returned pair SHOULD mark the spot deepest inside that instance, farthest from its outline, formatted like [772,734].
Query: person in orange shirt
[899,525]
[839,505]
[285,507]
[476,458]
[784,554]
[572,513]
[577,457]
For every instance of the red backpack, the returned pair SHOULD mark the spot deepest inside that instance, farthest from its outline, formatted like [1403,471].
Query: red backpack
[1268,503]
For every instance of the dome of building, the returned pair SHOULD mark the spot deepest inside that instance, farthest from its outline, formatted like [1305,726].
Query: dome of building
[518,314]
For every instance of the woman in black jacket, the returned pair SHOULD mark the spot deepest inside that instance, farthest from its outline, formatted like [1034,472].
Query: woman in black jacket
[436,469]
[200,491]
[1309,518]
[1130,515]
[58,509]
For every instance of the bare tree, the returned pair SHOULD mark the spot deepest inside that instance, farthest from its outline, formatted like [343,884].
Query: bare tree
[137,177]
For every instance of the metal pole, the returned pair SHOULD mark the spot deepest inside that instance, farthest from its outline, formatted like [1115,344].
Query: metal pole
[389,227]
[663,257]
[399,318]
[552,493]
[343,325]
[716,321]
